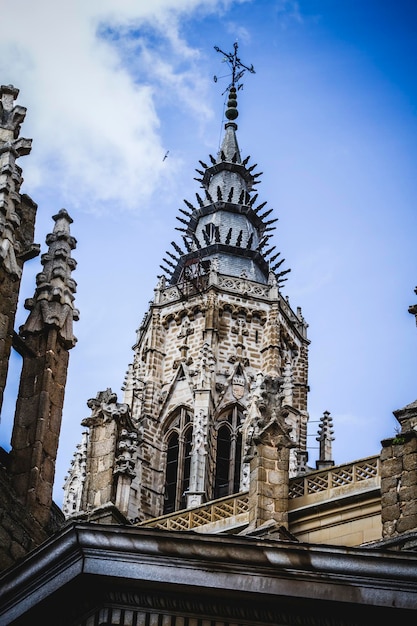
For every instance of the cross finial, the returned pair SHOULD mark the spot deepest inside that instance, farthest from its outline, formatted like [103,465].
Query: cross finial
[238,68]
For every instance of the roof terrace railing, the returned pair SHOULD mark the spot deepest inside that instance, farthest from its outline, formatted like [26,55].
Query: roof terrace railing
[339,476]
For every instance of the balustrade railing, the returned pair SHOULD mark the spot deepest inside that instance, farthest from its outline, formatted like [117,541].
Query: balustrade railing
[230,506]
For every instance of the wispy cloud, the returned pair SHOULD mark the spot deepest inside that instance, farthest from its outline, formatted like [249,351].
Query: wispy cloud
[93,91]
[288,11]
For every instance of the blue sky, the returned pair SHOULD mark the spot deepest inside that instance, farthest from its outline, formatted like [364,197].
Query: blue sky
[331,119]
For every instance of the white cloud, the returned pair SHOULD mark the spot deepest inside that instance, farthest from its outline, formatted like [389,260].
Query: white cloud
[92,99]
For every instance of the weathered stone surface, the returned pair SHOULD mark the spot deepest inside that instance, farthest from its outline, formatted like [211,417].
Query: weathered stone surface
[399,479]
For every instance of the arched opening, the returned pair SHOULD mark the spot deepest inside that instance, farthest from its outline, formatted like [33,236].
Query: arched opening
[228,454]
[171,473]
[188,436]
[221,483]
[178,462]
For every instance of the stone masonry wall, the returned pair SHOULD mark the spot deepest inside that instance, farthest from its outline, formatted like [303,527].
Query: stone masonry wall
[399,484]
[19,531]
[254,333]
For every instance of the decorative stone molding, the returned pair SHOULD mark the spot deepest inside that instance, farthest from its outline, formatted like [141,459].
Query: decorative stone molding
[205,367]
[126,447]
[200,433]
[105,408]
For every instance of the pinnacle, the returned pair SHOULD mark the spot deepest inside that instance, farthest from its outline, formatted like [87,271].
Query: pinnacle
[229,150]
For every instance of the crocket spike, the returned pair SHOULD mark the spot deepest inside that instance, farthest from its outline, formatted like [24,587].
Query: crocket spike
[274,257]
[265,214]
[261,206]
[190,206]
[269,251]
[177,248]
[199,200]
[168,262]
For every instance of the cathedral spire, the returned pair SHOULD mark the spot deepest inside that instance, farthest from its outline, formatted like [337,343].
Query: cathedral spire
[225,232]
[216,324]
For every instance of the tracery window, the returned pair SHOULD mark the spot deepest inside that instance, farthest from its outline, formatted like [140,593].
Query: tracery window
[228,453]
[178,461]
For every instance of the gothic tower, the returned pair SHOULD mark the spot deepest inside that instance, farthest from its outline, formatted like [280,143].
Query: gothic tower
[216,329]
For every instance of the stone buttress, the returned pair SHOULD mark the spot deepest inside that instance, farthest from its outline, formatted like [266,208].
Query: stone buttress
[44,342]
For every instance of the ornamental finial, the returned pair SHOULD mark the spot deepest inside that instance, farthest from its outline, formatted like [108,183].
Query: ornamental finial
[238,69]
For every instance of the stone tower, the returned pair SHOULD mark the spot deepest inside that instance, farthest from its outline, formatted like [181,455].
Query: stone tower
[216,329]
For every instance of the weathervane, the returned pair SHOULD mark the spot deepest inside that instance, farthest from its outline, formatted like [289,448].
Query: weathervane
[236,65]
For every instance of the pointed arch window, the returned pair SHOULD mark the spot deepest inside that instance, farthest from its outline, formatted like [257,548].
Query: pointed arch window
[228,453]
[178,461]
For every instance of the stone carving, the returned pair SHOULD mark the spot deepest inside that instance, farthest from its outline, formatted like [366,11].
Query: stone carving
[11,148]
[186,328]
[105,408]
[127,446]
[287,385]
[240,329]
[200,433]
[74,482]
[204,367]
[245,478]
[238,386]
[53,303]
[267,424]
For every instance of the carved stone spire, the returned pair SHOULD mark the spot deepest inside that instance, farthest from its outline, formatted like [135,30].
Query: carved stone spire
[44,343]
[325,440]
[17,221]
[11,148]
[53,303]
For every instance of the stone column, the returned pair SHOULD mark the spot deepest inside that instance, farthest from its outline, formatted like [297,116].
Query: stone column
[269,477]
[202,407]
[268,453]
